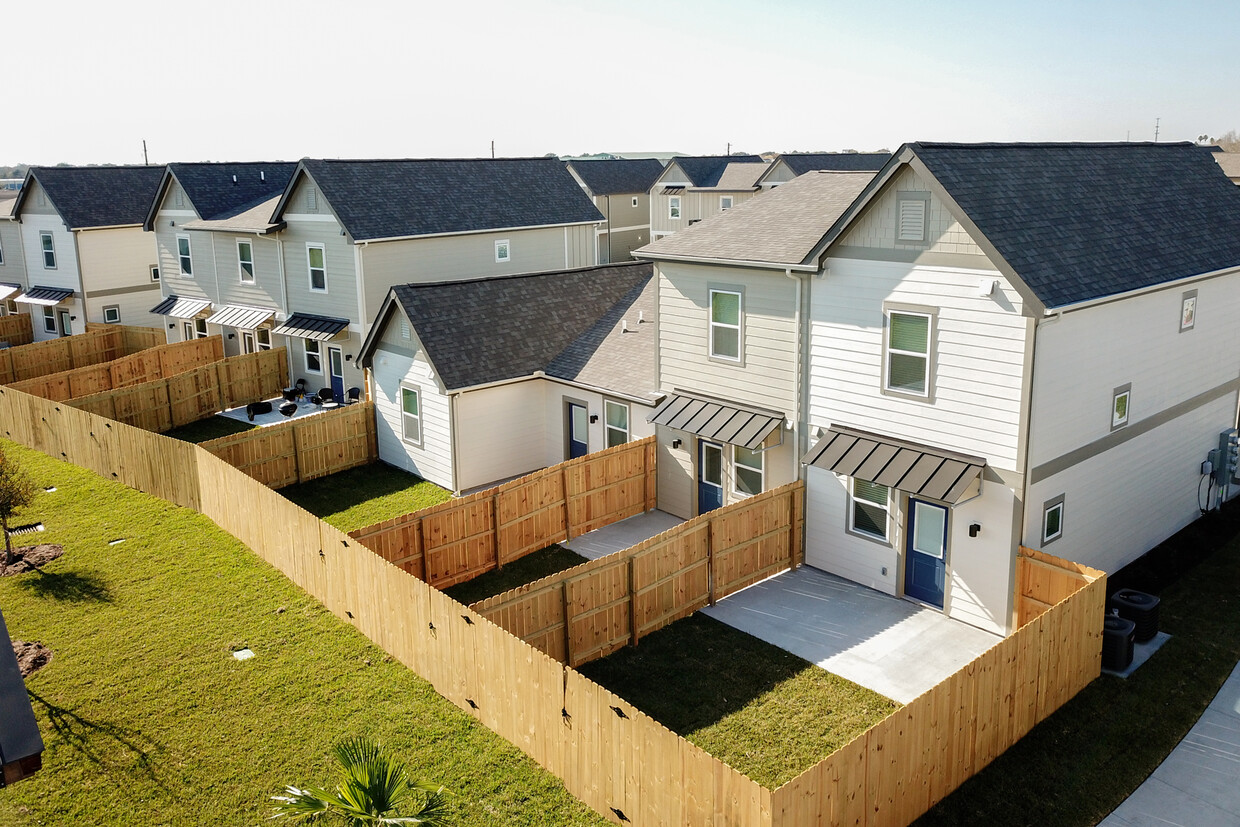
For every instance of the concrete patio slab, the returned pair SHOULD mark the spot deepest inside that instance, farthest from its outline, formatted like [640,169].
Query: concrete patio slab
[624,534]
[892,646]
[1196,785]
[275,417]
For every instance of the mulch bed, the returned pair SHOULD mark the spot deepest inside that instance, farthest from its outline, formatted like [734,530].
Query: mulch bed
[29,558]
[31,657]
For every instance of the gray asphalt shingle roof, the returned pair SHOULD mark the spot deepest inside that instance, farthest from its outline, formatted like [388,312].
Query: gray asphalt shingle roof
[618,177]
[565,323]
[706,170]
[803,162]
[99,196]
[215,195]
[402,198]
[1080,221]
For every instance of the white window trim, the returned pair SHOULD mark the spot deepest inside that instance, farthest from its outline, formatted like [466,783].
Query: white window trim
[200,329]
[910,199]
[928,356]
[608,427]
[739,327]
[154,272]
[262,336]
[49,247]
[405,416]
[634,200]
[1,255]
[187,331]
[49,320]
[1188,311]
[317,353]
[182,258]
[248,342]
[242,262]
[1048,507]
[310,269]
[1122,392]
[760,471]
[673,205]
[852,515]
[725,203]
[504,245]
[115,308]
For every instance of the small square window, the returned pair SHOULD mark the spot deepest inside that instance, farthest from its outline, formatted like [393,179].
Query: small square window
[725,203]
[502,251]
[912,220]
[314,359]
[154,272]
[634,200]
[1120,399]
[673,207]
[112,314]
[1052,519]
[1188,310]
[411,414]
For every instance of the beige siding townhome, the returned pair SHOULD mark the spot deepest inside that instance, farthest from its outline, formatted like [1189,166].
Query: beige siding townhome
[789,165]
[620,189]
[693,188]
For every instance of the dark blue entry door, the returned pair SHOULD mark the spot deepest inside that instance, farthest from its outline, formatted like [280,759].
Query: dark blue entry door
[926,565]
[335,366]
[578,431]
[710,476]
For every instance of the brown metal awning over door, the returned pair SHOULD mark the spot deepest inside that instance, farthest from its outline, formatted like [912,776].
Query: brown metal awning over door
[717,420]
[919,470]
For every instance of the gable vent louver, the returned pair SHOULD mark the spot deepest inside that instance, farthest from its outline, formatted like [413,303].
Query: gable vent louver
[912,220]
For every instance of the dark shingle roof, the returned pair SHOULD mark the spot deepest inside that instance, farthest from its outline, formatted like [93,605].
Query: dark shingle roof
[402,198]
[619,176]
[706,170]
[99,196]
[565,323]
[803,162]
[1082,221]
[213,193]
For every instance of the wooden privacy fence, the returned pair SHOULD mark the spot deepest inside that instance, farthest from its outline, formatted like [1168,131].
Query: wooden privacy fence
[143,366]
[302,449]
[591,610]
[100,343]
[133,338]
[1042,581]
[610,755]
[16,330]
[193,394]
[458,540]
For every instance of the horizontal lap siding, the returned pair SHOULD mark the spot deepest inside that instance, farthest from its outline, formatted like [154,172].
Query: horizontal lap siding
[13,270]
[340,300]
[433,459]
[828,544]
[265,292]
[201,284]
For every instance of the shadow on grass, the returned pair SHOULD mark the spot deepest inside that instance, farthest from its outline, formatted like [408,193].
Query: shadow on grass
[99,742]
[69,586]
[213,427]
[527,569]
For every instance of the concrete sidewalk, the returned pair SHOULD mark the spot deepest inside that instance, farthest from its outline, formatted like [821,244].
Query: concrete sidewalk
[1198,785]
[624,534]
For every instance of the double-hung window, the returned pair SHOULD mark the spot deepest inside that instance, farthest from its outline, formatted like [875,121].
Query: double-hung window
[747,470]
[617,416]
[725,325]
[868,508]
[411,414]
[314,356]
[909,335]
[245,261]
[183,256]
[49,250]
[673,207]
[263,335]
[316,259]
[49,320]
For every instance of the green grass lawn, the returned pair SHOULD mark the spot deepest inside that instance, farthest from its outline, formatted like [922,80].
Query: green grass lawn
[1078,765]
[529,568]
[213,427]
[757,708]
[147,717]
[364,496]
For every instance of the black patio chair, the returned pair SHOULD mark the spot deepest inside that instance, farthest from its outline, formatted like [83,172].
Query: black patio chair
[255,408]
[288,408]
[354,395]
[300,384]
[325,396]
[290,394]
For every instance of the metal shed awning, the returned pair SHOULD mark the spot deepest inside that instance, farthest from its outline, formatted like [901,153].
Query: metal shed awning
[45,296]
[673,190]
[243,318]
[306,326]
[180,308]
[7,289]
[717,419]
[919,470]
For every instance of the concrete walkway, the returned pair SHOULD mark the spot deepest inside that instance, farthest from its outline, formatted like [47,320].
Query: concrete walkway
[624,534]
[1198,785]
[275,417]
[895,647]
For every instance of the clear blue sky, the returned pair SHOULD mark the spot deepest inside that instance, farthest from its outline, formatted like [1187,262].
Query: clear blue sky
[265,80]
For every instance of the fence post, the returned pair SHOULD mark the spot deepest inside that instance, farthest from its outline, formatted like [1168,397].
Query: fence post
[568,512]
[296,453]
[417,533]
[792,530]
[632,601]
[710,562]
[568,624]
[499,546]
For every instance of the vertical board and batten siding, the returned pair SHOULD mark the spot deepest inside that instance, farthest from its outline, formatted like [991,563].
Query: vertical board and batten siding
[265,292]
[405,363]
[1127,490]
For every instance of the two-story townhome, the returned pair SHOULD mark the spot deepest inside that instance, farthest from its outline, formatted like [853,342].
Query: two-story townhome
[479,380]
[12,258]
[789,165]
[220,260]
[733,295]
[86,258]
[352,230]
[620,189]
[692,188]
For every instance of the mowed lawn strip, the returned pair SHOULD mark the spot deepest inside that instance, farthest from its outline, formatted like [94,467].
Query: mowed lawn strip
[148,718]
[762,711]
[527,569]
[366,495]
[1077,766]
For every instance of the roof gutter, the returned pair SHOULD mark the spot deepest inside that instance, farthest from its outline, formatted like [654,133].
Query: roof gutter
[482,231]
[1140,291]
[732,262]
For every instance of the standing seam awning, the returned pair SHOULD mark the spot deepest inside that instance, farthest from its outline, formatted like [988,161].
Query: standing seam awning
[306,326]
[243,318]
[45,296]
[919,470]
[180,308]
[717,420]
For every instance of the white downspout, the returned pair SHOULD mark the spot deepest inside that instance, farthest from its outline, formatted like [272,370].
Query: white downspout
[800,369]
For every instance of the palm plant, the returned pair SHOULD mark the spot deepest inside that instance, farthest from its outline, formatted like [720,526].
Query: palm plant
[372,791]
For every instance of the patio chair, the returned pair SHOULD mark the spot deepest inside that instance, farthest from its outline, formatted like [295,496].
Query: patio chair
[257,408]
[288,408]
[300,384]
[290,394]
[354,395]
[325,396]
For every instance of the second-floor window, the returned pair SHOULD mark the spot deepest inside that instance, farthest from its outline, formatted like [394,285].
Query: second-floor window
[154,272]
[673,207]
[1,255]
[245,261]
[503,251]
[725,325]
[317,260]
[725,203]
[908,352]
[183,256]
[49,251]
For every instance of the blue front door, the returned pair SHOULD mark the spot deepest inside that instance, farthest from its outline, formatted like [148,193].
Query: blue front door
[578,431]
[710,476]
[926,547]
[335,366]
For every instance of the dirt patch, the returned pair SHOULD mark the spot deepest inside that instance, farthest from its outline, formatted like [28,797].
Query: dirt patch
[31,657]
[28,558]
